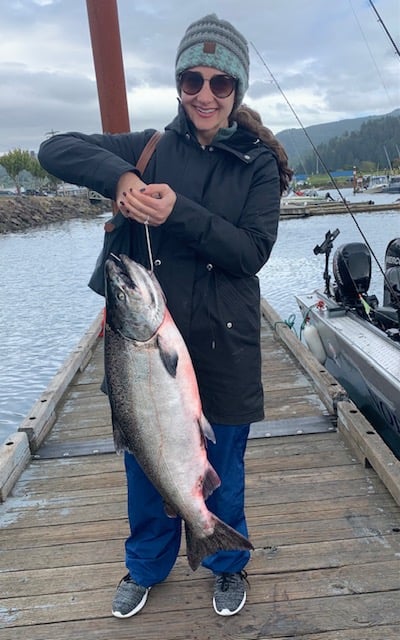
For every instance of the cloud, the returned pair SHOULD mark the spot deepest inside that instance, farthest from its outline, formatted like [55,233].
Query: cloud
[331,60]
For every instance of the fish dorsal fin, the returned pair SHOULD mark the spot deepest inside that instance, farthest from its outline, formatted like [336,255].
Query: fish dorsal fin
[206,428]
[169,357]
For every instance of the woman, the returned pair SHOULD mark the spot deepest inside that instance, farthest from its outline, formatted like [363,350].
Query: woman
[210,197]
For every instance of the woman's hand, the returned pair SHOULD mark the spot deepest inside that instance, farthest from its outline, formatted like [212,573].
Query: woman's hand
[150,204]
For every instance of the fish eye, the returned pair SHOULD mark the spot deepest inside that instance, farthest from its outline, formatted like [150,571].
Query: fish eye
[121,295]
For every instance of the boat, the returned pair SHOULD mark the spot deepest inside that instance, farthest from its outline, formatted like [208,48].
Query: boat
[377,184]
[356,338]
[393,185]
[303,198]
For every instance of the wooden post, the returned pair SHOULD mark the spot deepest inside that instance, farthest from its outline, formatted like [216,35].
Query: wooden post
[108,63]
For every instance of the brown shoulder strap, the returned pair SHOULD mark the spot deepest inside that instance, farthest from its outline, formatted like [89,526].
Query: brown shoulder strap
[141,165]
[148,151]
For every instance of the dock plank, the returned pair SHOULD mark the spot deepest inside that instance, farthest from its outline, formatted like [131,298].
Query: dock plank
[326,531]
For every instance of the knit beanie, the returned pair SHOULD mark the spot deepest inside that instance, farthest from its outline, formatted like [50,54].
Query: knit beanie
[211,42]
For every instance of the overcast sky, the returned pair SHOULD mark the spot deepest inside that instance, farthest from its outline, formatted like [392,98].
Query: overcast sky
[331,58]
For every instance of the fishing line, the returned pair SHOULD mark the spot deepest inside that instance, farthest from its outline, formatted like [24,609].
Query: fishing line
[370,52]
[327,170]
[148,243]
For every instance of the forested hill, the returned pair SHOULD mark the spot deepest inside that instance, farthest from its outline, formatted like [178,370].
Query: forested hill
[298,147]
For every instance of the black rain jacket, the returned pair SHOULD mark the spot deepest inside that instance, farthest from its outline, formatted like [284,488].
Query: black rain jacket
[208,252]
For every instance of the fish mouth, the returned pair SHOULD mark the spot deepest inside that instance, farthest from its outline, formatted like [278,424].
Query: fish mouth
[118,268]
[119,261]
[131,275]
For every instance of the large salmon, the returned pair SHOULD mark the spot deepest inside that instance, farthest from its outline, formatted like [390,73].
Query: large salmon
[156,408]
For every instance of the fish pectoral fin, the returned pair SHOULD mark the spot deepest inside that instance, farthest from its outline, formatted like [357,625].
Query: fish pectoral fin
[211,481]
[206,428]
[170,511]
[169,357]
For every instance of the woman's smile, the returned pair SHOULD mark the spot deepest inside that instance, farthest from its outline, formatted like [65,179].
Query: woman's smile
[207,112]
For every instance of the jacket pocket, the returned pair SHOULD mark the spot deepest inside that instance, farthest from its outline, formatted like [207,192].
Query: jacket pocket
[237,305]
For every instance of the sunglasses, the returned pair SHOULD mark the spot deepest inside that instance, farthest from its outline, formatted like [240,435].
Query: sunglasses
[191,82]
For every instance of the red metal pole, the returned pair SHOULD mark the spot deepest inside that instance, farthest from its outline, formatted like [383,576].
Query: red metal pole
[108,64]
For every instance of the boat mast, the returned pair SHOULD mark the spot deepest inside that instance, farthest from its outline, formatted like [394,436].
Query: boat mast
[108,64]
[396,48]
[388,159]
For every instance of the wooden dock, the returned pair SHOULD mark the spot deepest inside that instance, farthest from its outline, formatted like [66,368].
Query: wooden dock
[323,495]
[328,208]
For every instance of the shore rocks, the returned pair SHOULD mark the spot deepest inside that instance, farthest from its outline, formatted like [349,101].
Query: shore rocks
[24,212]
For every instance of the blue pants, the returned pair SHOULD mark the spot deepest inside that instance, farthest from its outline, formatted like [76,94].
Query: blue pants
[153,546]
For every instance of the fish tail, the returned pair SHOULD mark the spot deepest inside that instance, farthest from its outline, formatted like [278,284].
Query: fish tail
[223,537]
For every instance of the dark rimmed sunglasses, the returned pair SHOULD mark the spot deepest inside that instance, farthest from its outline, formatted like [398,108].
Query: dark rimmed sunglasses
[191,82]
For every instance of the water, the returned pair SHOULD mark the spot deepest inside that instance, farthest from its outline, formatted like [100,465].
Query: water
[46,306]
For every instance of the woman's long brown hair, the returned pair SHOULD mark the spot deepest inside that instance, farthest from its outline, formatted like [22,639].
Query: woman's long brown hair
[251,120]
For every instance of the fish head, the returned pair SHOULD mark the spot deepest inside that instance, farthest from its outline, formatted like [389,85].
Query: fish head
[135,302]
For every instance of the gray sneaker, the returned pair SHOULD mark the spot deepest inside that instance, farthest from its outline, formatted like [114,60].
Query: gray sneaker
[229,593]
[129,598]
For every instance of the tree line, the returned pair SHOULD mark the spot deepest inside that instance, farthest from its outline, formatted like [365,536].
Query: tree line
[375,147]
[17,161]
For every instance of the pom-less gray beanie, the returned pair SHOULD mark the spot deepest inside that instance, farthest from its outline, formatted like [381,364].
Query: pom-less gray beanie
[211,42]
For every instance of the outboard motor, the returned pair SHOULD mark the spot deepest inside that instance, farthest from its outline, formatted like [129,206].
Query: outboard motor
[392,273]
[352,273]
[387,317]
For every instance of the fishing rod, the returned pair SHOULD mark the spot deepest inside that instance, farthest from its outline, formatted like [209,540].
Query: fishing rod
[396,48]
[395,294]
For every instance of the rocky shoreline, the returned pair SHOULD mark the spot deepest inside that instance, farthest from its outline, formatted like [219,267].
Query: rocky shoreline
[25,212]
